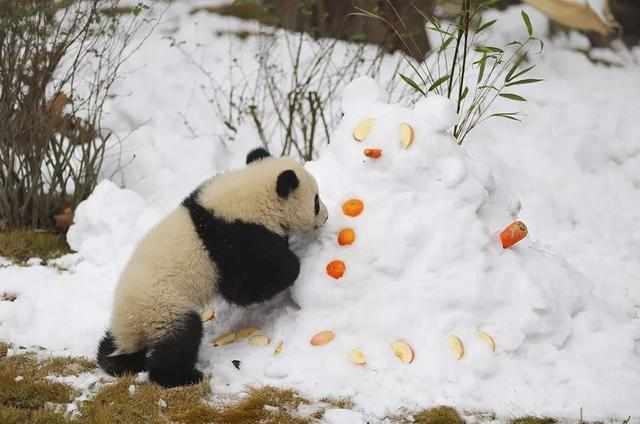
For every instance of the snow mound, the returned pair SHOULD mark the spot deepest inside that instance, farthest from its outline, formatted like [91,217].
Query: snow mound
[427,264]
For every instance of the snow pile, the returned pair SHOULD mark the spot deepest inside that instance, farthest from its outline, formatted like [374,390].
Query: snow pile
[562,305]
[427,264]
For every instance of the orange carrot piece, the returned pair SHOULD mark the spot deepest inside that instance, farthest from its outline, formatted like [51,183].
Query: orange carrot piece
[352,207]
[336,268]
[514,232]
[346,237]
[373,153]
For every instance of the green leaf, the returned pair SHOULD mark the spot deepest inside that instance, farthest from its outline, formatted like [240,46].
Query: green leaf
[441,31]
[446,43]
[483,64]
[486,25]
[517,63]
[524,81]
[412,84]
[464,93]
[519,74]
[488,49]
[514,43]
[481,87]
[527,23]
[438,82]
[512,96]
[508,115]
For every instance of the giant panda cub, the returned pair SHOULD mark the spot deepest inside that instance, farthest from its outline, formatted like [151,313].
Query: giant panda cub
[228,238]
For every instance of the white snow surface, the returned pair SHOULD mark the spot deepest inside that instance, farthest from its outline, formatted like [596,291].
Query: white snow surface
[562,305]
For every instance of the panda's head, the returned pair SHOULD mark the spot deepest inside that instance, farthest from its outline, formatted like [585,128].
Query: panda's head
[292,194]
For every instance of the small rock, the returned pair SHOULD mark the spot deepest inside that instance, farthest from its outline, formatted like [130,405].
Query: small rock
[132,389]
[162,403]
[18,378]
[236,363]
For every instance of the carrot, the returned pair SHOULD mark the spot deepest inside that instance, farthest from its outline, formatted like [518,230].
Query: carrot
[514,232]
[352,207]
[346,237]
[336,268]
[373,153]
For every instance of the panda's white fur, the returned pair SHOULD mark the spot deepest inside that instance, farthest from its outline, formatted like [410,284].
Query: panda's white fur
[171,272]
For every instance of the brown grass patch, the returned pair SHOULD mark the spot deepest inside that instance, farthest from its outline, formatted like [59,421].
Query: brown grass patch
[115,404]
[533,420]
[21,245]
[24,391]
[438,415]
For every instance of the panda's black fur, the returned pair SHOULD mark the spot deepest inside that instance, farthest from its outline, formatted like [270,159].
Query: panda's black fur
[254,264]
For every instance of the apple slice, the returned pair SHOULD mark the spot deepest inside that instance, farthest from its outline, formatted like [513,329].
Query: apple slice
[456,346]
[279,348]
[246,332]
[208,315]
[322,338]
[403,351]
[363,129]
[488,340]
[225,339]
[357,357]
[406,135]
[259,340]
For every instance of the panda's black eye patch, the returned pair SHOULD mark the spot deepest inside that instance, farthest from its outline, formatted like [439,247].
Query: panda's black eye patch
[316,204]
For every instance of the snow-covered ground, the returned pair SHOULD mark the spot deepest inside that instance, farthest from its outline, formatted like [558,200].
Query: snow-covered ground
[563,306]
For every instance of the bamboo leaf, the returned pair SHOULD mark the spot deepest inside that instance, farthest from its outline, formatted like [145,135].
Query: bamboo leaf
[464,93]
[512,96]
[517,63]
[486,25]
[483,63]
[446,43]
[488,49]
[519,74]
[438,82]
[508,115]
[481,87]
[524,81]
[527,23]
[441,31]
[412,84]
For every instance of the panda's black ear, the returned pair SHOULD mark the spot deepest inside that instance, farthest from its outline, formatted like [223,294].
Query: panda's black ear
[287,183]
[257,154]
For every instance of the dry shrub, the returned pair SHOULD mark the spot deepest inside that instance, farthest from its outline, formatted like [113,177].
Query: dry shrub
[58,61]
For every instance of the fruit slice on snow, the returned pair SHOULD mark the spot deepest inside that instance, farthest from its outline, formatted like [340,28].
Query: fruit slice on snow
[406,135]
[363,129]
[322,338]
[225,339]
[403,351]
[259,340]
[456,346]
[488,340]
[357,357]
[246,332]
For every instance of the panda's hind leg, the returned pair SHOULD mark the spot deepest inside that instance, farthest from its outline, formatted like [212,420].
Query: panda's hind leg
[172,359]
[118,365]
